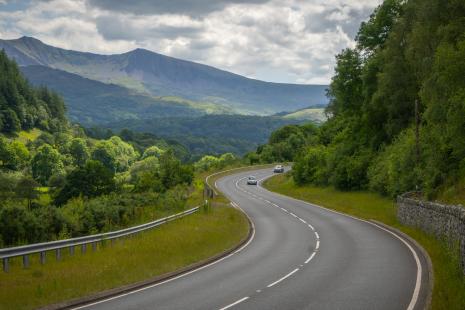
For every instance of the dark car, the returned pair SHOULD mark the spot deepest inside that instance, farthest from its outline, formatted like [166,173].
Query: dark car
[278,169]
[251,180]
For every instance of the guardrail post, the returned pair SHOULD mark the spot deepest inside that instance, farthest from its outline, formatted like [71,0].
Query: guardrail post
[83,248]
[6,265]
[26,261]
[42,257]
[71,250]
[58,254]
[94,246]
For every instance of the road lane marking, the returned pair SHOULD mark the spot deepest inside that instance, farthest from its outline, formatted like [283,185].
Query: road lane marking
[179,276]
[302,220]
[235,303]
[317,236]
[293,214]
[317,245]
[311,227]
[416,291]
[284,278]
[310,258]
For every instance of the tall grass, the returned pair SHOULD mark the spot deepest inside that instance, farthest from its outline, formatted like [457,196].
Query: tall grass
[162,250]
[449,282]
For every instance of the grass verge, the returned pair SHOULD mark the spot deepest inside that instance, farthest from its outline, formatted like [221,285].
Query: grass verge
[156,252]
[449,283]
[165,249]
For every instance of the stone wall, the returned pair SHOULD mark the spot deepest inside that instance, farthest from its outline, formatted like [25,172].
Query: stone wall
[444,221]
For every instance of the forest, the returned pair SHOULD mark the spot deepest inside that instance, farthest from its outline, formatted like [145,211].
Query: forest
[396,113]
[59,180]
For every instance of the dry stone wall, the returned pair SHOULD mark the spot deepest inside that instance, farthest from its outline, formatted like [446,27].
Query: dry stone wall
[444,221]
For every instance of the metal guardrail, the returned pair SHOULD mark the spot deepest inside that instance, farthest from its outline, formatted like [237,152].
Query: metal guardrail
[57,246]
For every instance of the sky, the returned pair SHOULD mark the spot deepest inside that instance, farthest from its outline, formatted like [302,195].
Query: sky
[287,41]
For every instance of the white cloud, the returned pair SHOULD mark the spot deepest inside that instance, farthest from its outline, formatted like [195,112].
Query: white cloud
[275,40]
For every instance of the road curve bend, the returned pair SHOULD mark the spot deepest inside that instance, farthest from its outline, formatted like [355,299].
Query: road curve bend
[301,256]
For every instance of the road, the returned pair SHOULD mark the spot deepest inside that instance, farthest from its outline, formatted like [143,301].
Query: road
[301,256]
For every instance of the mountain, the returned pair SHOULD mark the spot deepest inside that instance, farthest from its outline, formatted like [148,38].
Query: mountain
[151,74]
[93,102]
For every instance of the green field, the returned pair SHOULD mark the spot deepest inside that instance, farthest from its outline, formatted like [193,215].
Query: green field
[449,282]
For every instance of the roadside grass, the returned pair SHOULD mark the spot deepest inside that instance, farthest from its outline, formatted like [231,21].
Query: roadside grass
[156,252]
[449,282]
[164,249]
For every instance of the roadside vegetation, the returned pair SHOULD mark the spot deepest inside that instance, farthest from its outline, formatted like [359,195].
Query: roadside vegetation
[449,283]
[59,180]
[395,124]
[159,251]
[395,117]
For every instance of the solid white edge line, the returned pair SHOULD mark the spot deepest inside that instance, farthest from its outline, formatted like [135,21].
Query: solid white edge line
[416,290]
[235,303]
[177,277]
[302,220]
[310,258]
[283,278]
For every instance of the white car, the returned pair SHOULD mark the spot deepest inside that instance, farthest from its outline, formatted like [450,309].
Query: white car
[251,180]
[278,169]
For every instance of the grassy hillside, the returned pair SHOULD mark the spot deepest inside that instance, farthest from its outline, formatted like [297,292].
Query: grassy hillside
[311,114]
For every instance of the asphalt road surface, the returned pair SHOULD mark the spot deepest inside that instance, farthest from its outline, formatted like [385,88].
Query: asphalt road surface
[301,256]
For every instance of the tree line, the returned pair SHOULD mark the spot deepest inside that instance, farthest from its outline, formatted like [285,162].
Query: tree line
[396,112]
[65,183]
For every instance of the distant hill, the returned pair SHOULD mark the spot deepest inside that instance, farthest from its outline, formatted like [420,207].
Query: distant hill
[152,74]
[314,114]
[211,134]
[92,102]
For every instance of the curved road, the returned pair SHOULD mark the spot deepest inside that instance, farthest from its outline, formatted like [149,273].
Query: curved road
[300,257]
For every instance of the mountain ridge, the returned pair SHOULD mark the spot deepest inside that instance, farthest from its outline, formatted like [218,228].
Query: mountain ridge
[159,75]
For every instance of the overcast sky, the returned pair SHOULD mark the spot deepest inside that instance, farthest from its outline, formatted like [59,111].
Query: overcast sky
[292,41]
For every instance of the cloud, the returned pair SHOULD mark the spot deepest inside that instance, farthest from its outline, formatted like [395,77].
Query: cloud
[183,7]
[275,40]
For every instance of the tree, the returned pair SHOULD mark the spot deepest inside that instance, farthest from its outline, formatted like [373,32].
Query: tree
[150,164]
[21,155]
[10,120]
[345,91]
[105,154]
[152,151]
[6,155]
[374,32]
[172,172]
[46,162]
[115,154]
[92,180]
[27,189]
[206,163]
[79,151]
